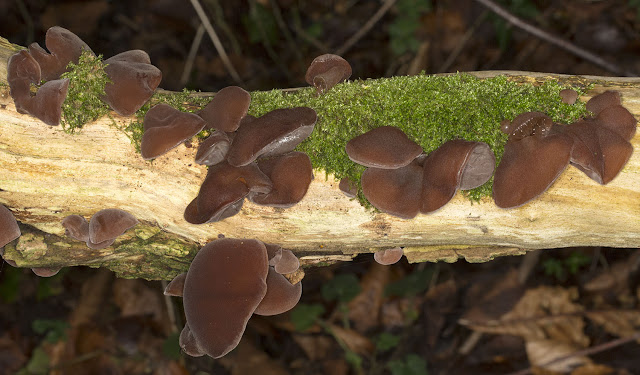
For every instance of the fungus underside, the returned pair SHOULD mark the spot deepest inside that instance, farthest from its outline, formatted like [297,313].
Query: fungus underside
[429,109]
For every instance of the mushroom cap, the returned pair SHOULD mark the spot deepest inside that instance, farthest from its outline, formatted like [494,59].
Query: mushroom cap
[100,245]
[568,96]
[22,71]
[618,119]
[224,188]
[456,164]
[9,229]
[132,83]
[283,261]
[131,56]
[348,187]
[274,133]
[109,223]
[225,283]
[45,271]
[176,286]
[65,47]
[604,100]
[47,104]
[214,149]
[290,174]
[527,124]
[394,191]
[281,295]
[165,128]
[598,151]
[388,256]
[189,344]
[76,227]
[528,167]
[386,147]
[325,71]
[226,109]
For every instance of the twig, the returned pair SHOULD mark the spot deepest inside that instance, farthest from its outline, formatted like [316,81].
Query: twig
[585,352]
[365,28]
[216,41]
[193,51]
[559,42]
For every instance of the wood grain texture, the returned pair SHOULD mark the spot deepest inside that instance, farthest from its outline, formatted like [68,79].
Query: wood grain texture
[46,175]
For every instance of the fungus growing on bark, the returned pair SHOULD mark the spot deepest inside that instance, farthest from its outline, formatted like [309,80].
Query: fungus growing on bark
[618,119]
[528,167]
[165,128]
[568,96]
[274,133]
[348,187]
[457,164]
[133,81]
[45,271]
[226,109]
[225,283]
[47,104]
[214,149]
[394,191]
[109,223]
[527,124]
[386,147]
[223,191]
[602,101]
[9,229]
[176,286]
[65,47]
[326,71]
[282,260]
[290,174]
[281,295]
[388,256]
[76,227]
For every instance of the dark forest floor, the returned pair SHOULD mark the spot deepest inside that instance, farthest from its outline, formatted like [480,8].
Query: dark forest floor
[461,318]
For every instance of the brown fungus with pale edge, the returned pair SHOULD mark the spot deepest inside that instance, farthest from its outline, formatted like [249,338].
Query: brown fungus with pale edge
[176,286]
[276,132]
[9,229]
[133,81]
[394,191]
[45,271]
[47,104]
[386,147]
[291,175]
[568,96]
[109,223]
[527,124]
[327,71]
[348,187]
[223,191]
[225,283]
[388,256]
[604,100]
[65,47]
[618,119]
[76,227]
[283,261]
[457,164]
[165,128]
[281,295]
[226,109]
[22,71]
[214,149]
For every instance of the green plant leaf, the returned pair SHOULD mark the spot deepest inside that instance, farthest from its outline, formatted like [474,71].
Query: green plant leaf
[171,346]
[413,284]
[412,364]
[386,341]
[55,330]
[342,288]
[575,261]
[303,316]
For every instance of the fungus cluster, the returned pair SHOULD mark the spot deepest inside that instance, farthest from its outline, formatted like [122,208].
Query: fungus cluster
[400,180]
[228,281]
[133,78]
[327,71]
[9,229]
[538,150]
[103,228]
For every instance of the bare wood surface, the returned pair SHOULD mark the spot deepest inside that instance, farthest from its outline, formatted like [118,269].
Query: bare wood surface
[46,175]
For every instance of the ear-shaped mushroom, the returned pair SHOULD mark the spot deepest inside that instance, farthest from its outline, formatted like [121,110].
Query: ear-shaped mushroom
[568,96]
[283,261]
[109,223]
[386,147]
[457,164]
[274,133]
[528,124]
[602,101]
[133,81]
[226,109]
[326,71]
[22,71]
[189,344]
[176,286]
[394,191]
[76,227]
[348,187]
[47,104]
[45,271]
[65,47]
[291,175]
[618,119]
[223,190]
[9,229]
[214,149]
[165,128]
[528,167]
[224,285]
[281,295]
[388,256]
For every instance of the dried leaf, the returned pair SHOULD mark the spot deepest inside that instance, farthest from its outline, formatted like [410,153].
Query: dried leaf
[353,340]
[621,323]
[134,298]
[314,346]
[364,309]
[593,369]
[541,352]
[616,277]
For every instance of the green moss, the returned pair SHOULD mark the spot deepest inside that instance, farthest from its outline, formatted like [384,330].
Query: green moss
[83,104]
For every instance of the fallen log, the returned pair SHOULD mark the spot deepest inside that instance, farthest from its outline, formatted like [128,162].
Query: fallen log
[47,174]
